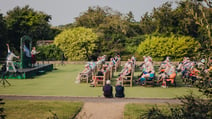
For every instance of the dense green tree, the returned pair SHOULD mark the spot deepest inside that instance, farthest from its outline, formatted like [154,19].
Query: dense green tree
[202,16]
[27,21]
[112,34]
[166,20]
[3,38]
[92,18]
[77,43]
[160,20]
[132,43]
[163,18]
[134,28]
[147,23]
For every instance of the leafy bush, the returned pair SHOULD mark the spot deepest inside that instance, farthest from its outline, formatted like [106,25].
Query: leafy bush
[191,108]
[133,43]
[172,46]
[77,43]
[49,52]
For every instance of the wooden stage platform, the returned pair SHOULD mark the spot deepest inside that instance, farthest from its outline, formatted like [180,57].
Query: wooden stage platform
[27,73]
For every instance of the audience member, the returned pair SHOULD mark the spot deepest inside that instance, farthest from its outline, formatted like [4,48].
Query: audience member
[119,90]
[108,90]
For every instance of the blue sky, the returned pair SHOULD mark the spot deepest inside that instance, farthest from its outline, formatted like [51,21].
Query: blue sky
[64,11]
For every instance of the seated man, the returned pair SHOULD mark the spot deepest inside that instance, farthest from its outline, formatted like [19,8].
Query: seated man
[119,90]
[108,90]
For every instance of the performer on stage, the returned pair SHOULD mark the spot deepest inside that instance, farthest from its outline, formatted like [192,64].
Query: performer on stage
[33,55]
[10,57]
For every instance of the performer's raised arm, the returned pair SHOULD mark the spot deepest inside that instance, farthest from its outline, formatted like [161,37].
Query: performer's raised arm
[8,48]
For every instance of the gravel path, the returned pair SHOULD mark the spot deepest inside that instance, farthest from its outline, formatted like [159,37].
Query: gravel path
[92,99]
[106,110]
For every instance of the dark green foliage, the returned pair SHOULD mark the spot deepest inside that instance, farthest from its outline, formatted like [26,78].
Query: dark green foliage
[153,113]
[192,107]
[3,38]
[2,113]
[49,52]
[132,43]
[92,18]
[27,21]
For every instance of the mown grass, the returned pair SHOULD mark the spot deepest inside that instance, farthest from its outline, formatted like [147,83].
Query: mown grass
[61,82]
[138,110]
[29,109]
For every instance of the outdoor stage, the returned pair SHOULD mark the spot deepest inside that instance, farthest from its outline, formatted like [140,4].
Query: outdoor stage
[26,73]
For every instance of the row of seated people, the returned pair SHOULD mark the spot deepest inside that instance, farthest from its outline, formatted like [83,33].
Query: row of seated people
[190,70]
[103,73]
[90,69]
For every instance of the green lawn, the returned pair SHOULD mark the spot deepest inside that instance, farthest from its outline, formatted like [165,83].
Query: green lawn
[25,109]
[61,82]
[137,110]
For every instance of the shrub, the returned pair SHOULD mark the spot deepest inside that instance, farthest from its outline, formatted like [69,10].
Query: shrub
[49,52]
[173,46]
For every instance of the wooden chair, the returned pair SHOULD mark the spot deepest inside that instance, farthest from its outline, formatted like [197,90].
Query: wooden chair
[102,79]
[86,76]
[149,82]
[128,79]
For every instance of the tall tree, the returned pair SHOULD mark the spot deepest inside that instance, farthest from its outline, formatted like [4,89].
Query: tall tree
[160,20]
[77,43]
[27,21]
[3,38]
[202,16]
[92,18]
